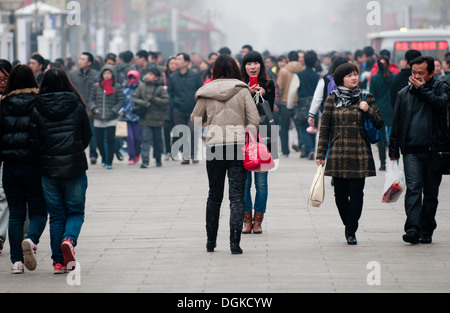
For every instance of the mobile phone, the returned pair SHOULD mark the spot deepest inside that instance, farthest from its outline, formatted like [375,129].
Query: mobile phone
[253,81]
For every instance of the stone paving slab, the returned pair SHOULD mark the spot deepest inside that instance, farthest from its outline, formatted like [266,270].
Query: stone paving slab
[144,233]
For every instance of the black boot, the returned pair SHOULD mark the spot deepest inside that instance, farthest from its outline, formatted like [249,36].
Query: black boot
[235,239]
[211,234]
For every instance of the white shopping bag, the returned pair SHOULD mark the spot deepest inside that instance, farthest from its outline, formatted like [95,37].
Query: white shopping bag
[394,183]
[317,192]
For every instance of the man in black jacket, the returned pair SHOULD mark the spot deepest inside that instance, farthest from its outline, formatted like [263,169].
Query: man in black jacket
[413,131]
[183,84]
[401,80]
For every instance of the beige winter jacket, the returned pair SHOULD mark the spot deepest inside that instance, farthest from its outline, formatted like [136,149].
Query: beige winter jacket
[285,76]
[223,107]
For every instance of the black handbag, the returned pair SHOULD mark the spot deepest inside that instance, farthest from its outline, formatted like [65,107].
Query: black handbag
[300,112]
[139,110]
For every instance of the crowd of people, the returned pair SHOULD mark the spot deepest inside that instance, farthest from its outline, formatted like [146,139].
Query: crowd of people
[51,112]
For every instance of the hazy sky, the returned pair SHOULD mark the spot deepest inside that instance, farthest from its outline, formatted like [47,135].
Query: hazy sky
[283,25]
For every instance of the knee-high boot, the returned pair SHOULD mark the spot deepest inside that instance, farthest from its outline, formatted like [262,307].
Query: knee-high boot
[235,239]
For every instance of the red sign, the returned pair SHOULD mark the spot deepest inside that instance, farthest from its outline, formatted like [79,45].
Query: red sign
[421,45]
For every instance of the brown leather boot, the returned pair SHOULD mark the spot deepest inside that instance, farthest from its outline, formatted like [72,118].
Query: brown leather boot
[247,223]
[257,224]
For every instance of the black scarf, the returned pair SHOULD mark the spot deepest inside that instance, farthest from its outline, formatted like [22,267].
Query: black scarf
[345,97]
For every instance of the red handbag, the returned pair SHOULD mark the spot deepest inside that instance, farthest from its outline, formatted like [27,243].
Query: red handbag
[257,157]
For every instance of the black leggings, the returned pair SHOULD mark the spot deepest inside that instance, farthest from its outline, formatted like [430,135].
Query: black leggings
[349,196]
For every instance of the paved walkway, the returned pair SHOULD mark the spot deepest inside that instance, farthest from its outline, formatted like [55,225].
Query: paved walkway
[144,232]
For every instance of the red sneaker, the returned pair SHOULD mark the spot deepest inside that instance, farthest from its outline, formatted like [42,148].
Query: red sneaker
[69,255]
[59,269]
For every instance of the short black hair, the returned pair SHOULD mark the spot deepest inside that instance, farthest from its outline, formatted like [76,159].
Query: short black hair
[342,71]
[38,58]
[425,59]
[311,58]
[250,48]
[411,55]
[154,70]
[90,56]
[126,56]
[186,56]
[142,54]
[225,50]
[293,56]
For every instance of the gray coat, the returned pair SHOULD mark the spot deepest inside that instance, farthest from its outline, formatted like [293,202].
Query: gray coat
[108,106]
[83,82]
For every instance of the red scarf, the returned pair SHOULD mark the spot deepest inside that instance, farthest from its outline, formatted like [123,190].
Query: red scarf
[108,86]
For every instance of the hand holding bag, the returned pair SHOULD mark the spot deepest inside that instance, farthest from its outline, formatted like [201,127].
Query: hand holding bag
[121,129]
[317,192]
[372,134]
[257,157]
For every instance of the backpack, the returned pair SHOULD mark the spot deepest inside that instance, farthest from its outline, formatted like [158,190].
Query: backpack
[330,85]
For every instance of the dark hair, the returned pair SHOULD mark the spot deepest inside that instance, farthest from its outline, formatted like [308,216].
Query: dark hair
[38,58]
[342,71]
[383,67]
[293,56]
[186,56]
[89,55]
[335,62]
[369,51]
[250,48]
[254,56]
[142,54]
[386,53]
[56,80]
[225,67]
[411,55]
[310,58]
[358,54]
[21,77]
[126,56]
[5,67]
[154,70]
[425,59]
[225,50]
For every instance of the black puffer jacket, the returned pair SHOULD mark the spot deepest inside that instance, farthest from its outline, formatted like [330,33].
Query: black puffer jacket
[61,133]
[16,109]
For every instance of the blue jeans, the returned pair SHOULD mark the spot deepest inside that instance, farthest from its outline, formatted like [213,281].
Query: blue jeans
[65,200]
[262,192]
[23,190]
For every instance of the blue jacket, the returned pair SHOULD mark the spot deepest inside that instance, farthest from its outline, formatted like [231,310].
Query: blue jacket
[128,92]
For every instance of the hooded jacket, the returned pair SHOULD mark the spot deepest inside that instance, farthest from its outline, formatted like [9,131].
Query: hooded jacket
[108,106]
[224,106]
[15,115]
[155,98]
[60,133]
[285,77]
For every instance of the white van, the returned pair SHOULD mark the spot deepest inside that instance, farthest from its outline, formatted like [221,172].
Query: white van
[431,42]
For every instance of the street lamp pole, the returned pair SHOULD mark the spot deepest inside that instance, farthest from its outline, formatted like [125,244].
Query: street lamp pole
[12,6]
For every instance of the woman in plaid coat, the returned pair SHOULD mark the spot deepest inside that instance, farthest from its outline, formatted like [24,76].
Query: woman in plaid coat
[350,158]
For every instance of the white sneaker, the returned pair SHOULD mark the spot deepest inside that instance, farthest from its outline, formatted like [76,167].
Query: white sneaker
[17,268]
[29,251]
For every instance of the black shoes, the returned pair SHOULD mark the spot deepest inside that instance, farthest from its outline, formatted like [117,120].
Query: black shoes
[235,239]
[411,237]
[351,239]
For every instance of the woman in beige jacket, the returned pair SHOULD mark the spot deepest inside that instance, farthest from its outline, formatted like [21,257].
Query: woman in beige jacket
[224,107]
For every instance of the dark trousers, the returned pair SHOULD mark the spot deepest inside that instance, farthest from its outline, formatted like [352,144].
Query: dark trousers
[420,180]
[237,176]
[181,118]
[107,152]
[23,190]
[349,197]
[285,123]
[151,136]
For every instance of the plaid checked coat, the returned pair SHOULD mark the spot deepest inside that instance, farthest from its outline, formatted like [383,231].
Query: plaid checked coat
[342,130]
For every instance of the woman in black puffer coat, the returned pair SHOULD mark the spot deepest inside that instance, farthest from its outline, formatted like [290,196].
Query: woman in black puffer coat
[21,175]
[60,132]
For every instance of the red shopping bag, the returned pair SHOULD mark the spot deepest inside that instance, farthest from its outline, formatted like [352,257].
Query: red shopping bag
[257,157]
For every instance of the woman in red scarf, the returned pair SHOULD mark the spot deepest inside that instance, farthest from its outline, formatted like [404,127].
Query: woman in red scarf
[105,102]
